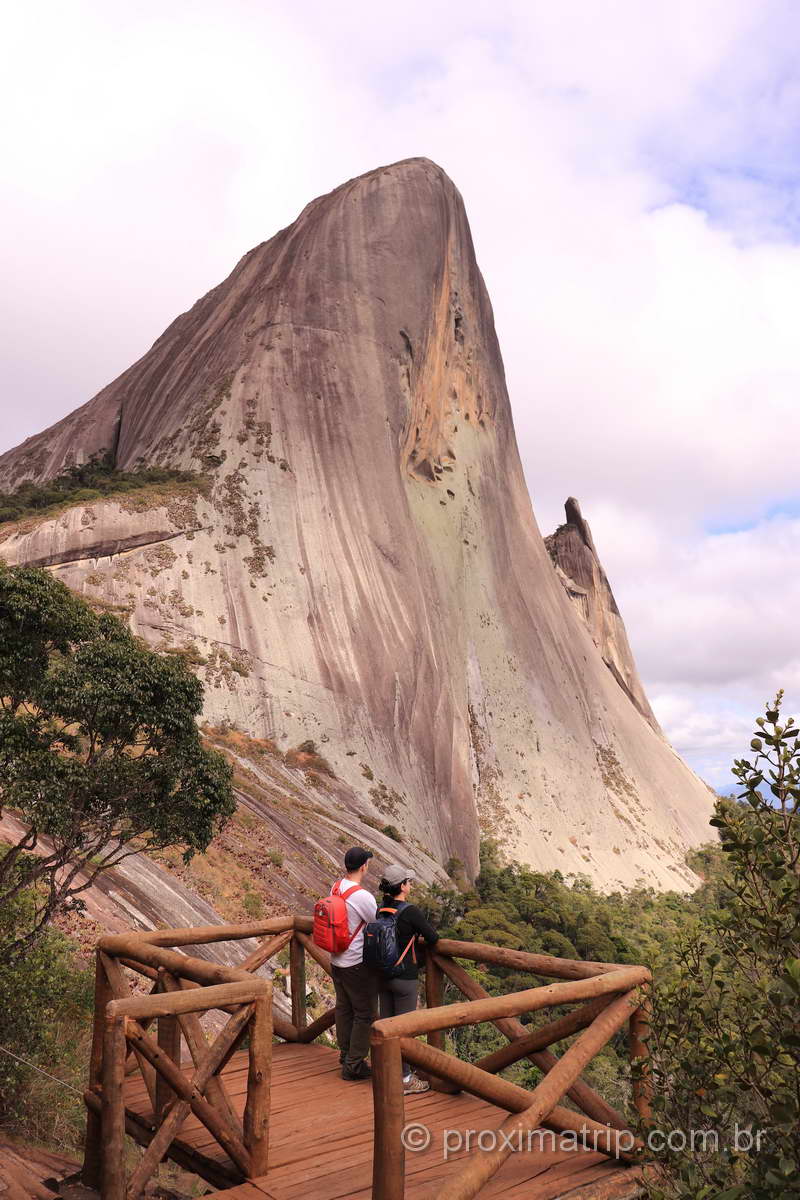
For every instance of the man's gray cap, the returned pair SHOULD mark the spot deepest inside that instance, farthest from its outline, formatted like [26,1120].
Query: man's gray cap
[395,873]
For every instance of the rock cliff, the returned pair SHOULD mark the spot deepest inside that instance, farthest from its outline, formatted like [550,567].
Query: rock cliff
[359,566]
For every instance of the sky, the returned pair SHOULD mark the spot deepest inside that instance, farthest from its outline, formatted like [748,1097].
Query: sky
[632,178]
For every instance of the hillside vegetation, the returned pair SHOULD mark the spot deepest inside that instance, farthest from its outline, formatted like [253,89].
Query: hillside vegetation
[92,480]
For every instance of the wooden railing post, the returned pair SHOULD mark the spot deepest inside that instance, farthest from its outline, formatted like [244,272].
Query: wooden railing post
[434,998]
[388,1157]
[115,1050]
[92,1171]
[297,978]
[639,1051]
[169,1042]
[256,1112]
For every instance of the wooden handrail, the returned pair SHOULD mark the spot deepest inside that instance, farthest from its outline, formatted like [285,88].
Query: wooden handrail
[471,1012]
[120,945]
[522,960]
[202,935]
[166,1004]
[206,1067]
[183,987]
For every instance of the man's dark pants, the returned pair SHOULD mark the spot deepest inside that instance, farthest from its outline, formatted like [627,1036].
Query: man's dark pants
[356,1009]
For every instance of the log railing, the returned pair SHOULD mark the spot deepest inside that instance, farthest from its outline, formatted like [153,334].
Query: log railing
[184,986]
[610,996]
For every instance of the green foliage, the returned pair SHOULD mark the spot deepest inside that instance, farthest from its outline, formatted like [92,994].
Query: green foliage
[100,754]
[46,1020]
[540,912]
[253,904]
[726,1037]
[92,480]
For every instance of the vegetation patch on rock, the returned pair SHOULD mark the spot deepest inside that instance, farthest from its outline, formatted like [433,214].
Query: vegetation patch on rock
[93,480]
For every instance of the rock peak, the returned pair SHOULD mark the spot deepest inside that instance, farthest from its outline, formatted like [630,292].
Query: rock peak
[578,566]
[361,568]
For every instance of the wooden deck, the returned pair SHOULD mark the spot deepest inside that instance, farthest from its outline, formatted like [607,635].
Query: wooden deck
[321,1139]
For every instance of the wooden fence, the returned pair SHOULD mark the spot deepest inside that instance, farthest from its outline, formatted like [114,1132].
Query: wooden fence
[183,986]
[612,996]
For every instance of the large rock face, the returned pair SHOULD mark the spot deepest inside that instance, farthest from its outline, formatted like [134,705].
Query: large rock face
[363,568]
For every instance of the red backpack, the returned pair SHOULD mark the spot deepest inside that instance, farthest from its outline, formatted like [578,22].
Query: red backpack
[331,929]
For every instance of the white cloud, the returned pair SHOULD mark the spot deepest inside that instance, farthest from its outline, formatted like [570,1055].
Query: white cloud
[630,175]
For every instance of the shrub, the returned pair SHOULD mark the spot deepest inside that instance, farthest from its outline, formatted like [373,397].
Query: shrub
[725,1035]
[45,1019]
[308,757]
[253,905]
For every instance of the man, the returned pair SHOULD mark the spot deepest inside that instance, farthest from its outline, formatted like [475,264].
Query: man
[356,984]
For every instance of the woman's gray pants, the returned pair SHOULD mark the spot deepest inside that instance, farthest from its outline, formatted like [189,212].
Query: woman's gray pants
[395,997]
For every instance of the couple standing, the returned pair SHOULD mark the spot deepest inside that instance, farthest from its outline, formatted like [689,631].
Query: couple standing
[361,990]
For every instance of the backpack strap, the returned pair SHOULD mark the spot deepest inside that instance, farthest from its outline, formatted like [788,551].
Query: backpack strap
[336,890]
[411,947]
[412,940]
[343,896]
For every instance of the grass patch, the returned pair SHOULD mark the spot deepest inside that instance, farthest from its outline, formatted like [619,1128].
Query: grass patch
[94,480]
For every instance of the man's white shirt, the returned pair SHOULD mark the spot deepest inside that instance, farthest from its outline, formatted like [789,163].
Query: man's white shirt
[361,906]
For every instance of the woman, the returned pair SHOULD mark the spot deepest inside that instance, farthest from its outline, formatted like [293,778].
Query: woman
[399,994]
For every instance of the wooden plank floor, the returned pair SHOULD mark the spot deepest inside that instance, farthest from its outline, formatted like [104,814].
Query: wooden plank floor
[321,1139]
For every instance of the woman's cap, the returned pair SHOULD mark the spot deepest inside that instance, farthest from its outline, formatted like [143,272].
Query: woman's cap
[395,873]
[356,857]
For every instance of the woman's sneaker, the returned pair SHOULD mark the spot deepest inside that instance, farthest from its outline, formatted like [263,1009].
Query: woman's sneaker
[413,1085]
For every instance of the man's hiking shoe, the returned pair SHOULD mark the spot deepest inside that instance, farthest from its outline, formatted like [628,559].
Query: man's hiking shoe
[362,1071]
[414,1085]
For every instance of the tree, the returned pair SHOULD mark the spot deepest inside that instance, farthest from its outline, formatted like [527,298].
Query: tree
[100,753]
[725,1031]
